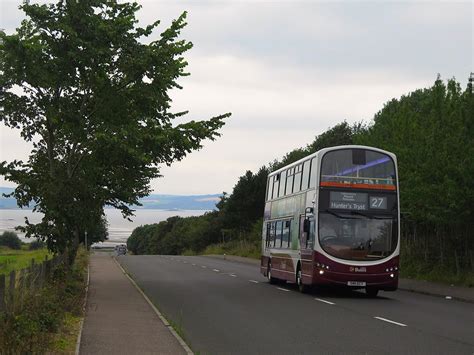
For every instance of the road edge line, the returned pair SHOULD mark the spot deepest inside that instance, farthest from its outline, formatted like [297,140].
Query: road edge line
[180,340]
[81,326]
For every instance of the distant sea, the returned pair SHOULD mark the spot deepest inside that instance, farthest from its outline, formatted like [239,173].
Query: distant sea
[119,228]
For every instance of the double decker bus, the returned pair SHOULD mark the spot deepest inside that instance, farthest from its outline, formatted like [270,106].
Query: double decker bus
[332,218]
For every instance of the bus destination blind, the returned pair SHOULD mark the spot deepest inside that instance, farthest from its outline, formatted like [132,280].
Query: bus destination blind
[348,200]
[356,201]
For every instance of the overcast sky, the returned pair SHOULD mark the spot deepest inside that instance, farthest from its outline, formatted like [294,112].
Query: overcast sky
[288,70]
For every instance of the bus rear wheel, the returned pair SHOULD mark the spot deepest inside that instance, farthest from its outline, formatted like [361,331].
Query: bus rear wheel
[299,282]
[271,279]
[372,292]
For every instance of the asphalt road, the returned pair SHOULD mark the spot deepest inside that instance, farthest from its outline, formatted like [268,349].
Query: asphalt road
[227,307]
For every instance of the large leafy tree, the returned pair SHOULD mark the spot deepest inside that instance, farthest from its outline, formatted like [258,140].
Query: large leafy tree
[432,132]
[84,83]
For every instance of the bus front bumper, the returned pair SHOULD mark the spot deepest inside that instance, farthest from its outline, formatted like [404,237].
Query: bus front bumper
[383,281]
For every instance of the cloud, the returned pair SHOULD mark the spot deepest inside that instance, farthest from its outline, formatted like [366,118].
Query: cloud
[288,70]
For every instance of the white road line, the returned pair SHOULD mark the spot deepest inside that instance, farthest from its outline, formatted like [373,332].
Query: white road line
[391,321]
[255,282]
[283,289]
[215,270]
[194,264]
[204,266]
[324,301]
[232,275]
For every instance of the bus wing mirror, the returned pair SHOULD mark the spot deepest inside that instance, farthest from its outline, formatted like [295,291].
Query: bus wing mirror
[306,224]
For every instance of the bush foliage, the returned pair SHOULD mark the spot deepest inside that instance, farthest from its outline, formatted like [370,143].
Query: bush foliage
[10,240]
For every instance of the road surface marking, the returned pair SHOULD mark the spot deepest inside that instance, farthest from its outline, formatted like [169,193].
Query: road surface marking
[255,282]
[204,266]
[391,321]
[324,301]
[232,275]
[194,264]
[283,289]
[215,270]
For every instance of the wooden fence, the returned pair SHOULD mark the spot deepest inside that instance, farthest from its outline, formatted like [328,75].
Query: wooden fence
[16,286]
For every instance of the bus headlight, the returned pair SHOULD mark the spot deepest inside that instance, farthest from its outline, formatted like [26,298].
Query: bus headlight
[321,272]
[392,276]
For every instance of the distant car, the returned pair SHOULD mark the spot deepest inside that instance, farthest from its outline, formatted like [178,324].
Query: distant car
[121,250]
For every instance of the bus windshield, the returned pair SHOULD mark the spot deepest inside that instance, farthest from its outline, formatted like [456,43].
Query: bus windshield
[353,236]
[360,167]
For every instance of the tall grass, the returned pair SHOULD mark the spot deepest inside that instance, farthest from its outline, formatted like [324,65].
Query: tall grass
[11,259]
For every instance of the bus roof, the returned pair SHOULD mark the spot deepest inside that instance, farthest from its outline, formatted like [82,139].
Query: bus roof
[324,150]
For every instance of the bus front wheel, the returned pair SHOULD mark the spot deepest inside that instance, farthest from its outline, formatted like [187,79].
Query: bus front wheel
[299,281]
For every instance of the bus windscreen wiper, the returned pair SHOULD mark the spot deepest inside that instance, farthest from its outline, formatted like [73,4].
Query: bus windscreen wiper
[368,215]
[338,215]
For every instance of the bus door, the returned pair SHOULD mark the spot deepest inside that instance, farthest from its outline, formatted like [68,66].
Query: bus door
[306,244]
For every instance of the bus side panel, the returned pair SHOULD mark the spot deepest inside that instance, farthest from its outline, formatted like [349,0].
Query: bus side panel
[307,266]
[283,266]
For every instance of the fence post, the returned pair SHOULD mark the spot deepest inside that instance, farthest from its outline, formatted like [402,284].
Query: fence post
[11,289]
[31,275]
[48,268]
[2,293]
[41,275]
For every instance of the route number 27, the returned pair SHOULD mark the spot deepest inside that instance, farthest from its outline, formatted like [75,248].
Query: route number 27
[378,202]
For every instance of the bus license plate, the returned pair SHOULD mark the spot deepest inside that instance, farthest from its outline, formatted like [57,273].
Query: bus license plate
[355,283]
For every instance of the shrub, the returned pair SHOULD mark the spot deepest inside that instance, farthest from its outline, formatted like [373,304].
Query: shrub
[10,239]
[37,244]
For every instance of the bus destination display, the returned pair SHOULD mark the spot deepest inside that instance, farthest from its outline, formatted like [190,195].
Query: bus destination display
[348,200]
[356,201]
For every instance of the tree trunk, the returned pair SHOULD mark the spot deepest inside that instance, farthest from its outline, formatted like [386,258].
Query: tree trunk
[72,249]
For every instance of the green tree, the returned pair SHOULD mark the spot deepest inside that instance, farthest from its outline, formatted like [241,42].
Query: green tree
[246,204]
[432,133]
[10,239]
[94,102]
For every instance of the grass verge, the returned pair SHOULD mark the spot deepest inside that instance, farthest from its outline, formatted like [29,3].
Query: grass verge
[64,342]
[48,321]
[236,247]
[11,259]
[435,273]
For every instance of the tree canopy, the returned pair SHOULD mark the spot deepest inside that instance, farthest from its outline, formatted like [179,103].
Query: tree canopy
[90,90]
[432,133]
